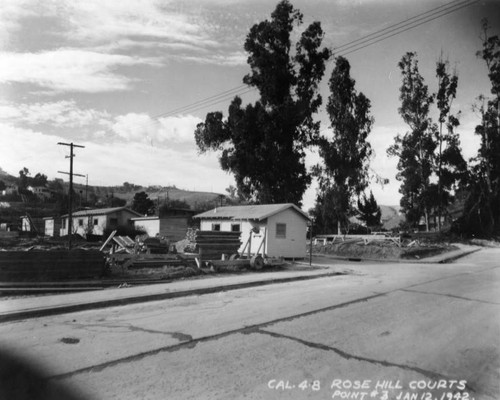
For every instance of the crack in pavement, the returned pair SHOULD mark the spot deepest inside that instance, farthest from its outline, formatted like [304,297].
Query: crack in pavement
[193,342]
[347,356]
[450,295]
[132,328]
[447,277]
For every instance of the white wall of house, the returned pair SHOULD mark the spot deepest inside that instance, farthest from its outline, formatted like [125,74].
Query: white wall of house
[289,238]
[25,224]
[49,227]
[98,223]
[150,225]
[81,223]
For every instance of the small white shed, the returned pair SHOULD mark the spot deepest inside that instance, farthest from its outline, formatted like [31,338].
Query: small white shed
[276,230]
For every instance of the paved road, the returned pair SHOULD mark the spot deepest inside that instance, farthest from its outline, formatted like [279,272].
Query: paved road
[384,331]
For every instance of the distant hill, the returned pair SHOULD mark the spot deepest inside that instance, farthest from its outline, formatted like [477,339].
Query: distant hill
[196,200]
[391,216]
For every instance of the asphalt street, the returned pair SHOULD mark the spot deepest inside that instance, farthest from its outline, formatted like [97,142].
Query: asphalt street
[383,331]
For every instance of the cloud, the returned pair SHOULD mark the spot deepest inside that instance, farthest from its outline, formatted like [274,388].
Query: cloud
[11,12]
[230,59]
[122,27]
[164,131]
[69,70]
[99,21]
[58,114]
[131,127]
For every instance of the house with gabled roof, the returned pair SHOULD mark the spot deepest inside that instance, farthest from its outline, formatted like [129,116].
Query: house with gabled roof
[275,230]
[96,221]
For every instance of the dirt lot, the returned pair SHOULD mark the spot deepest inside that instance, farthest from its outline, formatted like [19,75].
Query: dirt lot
[383,250]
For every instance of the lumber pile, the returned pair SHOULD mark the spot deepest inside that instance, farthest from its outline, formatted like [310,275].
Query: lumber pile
[212,244]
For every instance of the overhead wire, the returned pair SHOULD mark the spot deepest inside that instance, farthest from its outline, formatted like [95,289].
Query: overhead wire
[391,28]
[347,48]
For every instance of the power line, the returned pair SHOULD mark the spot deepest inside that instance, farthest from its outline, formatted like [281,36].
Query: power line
[347,48]
[399,25]
[229,92]
[207,102]
[406,28]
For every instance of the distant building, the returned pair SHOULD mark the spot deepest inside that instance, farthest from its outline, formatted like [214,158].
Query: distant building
[276,230]
[40,191]
[9,190]
[172,224]
[96,221]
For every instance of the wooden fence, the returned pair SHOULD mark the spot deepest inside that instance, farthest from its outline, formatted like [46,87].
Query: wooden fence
[39,265]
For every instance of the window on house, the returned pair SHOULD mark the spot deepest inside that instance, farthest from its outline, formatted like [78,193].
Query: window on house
[80,222]
[281,231]
[63,223]
[235,228]
[216,227]
[96,221]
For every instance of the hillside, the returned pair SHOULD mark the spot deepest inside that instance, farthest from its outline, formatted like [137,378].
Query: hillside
[196,200]
[102,195]
[391,216]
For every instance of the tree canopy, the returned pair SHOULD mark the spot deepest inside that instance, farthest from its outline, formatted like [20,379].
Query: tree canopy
[345,156]
[263,144]
[143,204]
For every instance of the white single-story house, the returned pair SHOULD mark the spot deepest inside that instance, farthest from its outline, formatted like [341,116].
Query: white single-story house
[172,225]
[276,230]
[96,221]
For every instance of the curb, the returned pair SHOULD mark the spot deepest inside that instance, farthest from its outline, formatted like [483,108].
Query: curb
[442,260]
[44,312]
[457,256]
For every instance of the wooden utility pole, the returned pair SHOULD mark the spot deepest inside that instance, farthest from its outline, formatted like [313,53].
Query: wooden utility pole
[70,207]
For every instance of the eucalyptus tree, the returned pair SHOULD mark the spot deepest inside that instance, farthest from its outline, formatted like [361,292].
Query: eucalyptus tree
[263,144]
[415,148]
[344,171]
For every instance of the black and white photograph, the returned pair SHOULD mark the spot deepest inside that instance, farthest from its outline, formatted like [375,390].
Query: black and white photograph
[250,199]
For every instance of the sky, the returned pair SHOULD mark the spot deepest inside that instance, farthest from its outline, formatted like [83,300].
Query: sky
[129,80]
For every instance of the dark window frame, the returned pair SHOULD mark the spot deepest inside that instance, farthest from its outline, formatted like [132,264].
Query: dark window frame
[233,226]
[280,230]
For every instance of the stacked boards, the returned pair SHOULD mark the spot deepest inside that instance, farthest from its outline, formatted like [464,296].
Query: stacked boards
[212,245]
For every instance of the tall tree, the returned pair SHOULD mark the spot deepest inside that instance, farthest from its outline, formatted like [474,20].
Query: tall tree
[415,149]
[263,144]
[369,211]
[344,172]
[451,166]
[482,211]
